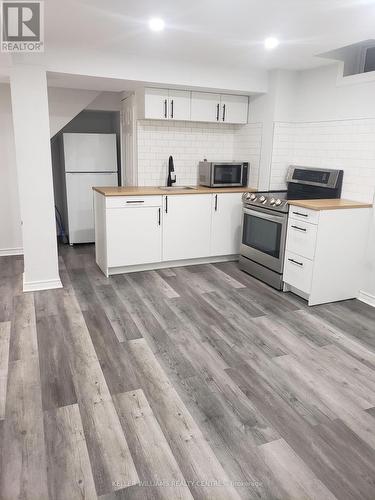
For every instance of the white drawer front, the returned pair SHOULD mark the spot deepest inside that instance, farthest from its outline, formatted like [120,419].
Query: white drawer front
[301,238]
[298,271]
[305,214]
[133,201]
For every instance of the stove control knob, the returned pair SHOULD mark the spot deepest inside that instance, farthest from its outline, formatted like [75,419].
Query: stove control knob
[253,197]
[247,196]
[262,199]
[272,201]
[278,202]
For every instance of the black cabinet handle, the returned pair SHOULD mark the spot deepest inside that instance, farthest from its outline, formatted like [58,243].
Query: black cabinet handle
[299,228]
[296,262]
[166,204]
[215,202]
[159,216]
[299,213]
[165,108]
[172,108]
[223,112]
[217,112]
[135,201]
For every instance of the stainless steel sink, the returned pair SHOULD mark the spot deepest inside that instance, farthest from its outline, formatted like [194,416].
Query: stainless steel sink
[173,188]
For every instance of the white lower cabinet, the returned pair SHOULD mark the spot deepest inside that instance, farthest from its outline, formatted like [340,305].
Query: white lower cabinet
[138,232]
[324,259]
[226,223]
[298,271]
[186,226]
[302,237]
[133,235]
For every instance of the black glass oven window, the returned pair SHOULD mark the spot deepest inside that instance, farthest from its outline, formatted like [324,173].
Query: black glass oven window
[311,175]
[227,174]
[261,234]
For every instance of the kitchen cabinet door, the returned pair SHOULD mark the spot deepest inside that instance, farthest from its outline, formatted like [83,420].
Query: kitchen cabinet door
[179,105]
[234,108]
[186,226]
[205,107]
[156,104]
[226,223]
[133,236]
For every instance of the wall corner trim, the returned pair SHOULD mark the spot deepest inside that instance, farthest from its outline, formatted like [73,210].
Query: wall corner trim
[367,298]
[4,252]
[33,286]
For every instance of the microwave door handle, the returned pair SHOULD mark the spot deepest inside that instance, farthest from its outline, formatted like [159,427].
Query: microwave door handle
[274,218]
[212,175]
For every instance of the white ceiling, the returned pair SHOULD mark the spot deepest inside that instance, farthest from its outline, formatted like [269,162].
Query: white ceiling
[215,32]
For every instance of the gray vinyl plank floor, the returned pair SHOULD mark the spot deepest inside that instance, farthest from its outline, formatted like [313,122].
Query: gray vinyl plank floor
[194,382]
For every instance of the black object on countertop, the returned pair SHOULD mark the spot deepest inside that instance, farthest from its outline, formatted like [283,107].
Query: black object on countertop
[171,175]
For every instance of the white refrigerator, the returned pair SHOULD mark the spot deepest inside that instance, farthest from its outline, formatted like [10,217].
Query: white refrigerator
[90,160]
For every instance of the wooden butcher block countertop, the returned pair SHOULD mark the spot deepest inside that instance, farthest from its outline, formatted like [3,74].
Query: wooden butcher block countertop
[335,204]
[155,190]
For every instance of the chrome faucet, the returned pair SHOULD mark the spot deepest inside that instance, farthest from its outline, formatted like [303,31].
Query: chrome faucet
[171,173]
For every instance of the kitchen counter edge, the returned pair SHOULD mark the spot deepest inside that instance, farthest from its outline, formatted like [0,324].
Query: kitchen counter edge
[152,190]
[329,204]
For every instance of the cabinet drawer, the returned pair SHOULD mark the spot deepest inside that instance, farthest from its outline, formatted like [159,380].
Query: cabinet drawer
[305,214]
[301,238]
[298,272]
[133,201]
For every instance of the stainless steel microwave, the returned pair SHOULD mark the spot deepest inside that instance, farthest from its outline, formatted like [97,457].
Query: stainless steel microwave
[223,174]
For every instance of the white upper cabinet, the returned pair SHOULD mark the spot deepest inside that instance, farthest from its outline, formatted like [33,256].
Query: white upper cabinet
[164,104]
[219,108]
[226,223]
[168,104]
[186,226]
[205,107]
[179,105]
[234,108]
[156,104]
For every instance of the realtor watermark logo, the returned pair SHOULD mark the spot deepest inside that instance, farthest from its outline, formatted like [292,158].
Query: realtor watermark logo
[22,26]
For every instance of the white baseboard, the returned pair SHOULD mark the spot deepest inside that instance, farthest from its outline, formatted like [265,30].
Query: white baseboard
[367,298]
[4,252]
[34,286]
[166,264]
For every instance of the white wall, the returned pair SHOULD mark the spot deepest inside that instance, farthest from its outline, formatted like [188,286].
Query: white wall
[277,104]
[332,126]
[339,144]
[10,219]
[319,99]
[247,147]
[97,63]
[106,101]
[189,143]
[65,104]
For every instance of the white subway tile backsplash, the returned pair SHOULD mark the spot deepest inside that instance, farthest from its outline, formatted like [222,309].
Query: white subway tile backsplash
[347,145]
[189,143]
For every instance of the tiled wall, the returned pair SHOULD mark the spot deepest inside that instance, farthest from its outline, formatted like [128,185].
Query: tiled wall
[346,144]
[247,147]
[189,143]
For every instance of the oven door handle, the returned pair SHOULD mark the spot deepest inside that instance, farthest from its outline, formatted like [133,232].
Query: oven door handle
[275,218]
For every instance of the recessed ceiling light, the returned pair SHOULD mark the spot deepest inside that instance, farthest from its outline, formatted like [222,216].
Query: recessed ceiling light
[156,24]
[271,43]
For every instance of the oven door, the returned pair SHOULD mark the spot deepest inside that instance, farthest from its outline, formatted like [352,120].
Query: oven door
[263,237]
[226,174]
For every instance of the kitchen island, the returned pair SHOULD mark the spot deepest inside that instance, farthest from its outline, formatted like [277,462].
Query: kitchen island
[142,228]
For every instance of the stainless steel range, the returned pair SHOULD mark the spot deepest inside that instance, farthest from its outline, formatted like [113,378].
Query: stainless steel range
[265,220]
